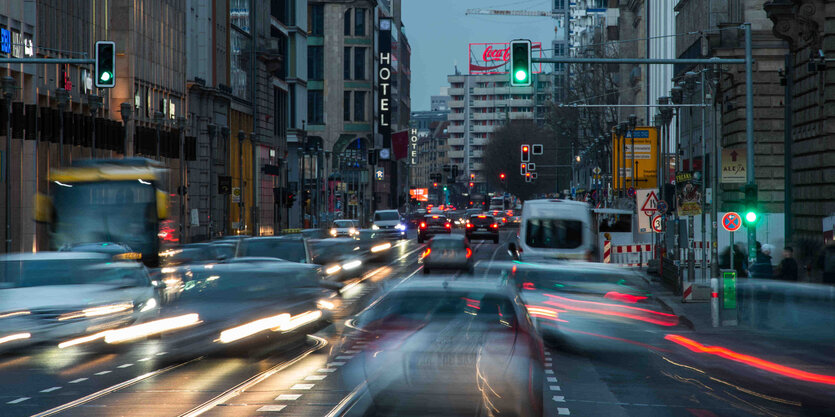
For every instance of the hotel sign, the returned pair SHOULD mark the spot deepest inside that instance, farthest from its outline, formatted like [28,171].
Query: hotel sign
[384,82]
[413,146]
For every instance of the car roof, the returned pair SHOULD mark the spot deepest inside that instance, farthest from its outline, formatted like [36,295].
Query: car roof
[54,256]
[551,201]
[386,211]
[289,237]
[441,284]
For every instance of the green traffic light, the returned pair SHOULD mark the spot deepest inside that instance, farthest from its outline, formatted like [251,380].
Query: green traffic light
[444,188]
[105,76]
[750,217]
[521,75]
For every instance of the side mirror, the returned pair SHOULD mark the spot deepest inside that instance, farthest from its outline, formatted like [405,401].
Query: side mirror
[43,208]
[162,205]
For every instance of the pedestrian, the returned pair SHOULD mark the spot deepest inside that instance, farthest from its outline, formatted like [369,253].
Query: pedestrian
[785,298]
[787,270]
[761,270]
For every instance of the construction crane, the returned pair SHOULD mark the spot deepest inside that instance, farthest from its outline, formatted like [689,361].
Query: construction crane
[513,12]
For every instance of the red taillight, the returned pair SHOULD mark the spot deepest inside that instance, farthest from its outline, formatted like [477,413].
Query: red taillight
[469,225]
[422,225]
[426,252]
[469,252]
[448,226]
[495,225]
[626,298]
[528,286]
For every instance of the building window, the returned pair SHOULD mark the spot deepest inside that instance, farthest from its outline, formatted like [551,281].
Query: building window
[359,63]
[315,107]
[359,106]
[346,106]
[359,22]
[347,31]
[346,63]
[316,20]
[315,63]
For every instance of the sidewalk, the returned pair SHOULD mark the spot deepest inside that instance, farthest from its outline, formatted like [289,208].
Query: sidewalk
[695,315]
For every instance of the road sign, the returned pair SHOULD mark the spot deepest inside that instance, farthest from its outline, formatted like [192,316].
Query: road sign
[596,170]
[733,166]
[647,204]
[656,224]
[631,191]
[662,206]
[645,157]
[379,174]
[731,221]
[236,194]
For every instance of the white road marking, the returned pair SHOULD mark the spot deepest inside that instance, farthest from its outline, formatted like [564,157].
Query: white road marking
[75,381]
[271,408]
[161,353]
[288,397]
[547,353]
[351,352]
[344,357]
[51,389]
[563,411]
[552,379]
[336,363]
[315,377]
[127,365]
[548,359]
[549,371]
[328,370]
[144,359]
[555,388]
[102,373]
[303,386]
[559,399]
[19,400]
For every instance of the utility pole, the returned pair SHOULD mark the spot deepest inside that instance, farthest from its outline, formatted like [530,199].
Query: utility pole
[749,134]
[241,204]
[787,150]
[94,102]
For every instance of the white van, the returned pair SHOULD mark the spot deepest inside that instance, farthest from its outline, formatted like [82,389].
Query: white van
[553,229]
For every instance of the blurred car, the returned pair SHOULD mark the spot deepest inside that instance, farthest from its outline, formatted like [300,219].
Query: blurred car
[116,250]
[342,228]
[565,298]
[389,223]
[440,346]
[341,258]
[191,253]
[245,304]
[447,252]
[223,249]
[290,248]
[555,229]
[482,227]
[376,246]
[433,225]
[57,297]
[314,233]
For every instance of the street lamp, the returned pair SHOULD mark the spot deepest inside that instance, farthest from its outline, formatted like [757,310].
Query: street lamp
[126,110]
[94,103]
[9,87]
[225,132]
[63,97]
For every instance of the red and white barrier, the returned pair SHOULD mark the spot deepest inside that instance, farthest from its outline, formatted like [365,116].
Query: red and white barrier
[607,252]
[632,255]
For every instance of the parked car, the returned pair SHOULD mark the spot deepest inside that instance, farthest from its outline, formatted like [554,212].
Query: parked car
[344,228]
[433,225]
[482,227]
[59,297]
[441,346]
[448,252]
[191,253]
[389,223]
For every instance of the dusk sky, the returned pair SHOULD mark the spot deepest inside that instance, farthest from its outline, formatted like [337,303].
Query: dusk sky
[439,33]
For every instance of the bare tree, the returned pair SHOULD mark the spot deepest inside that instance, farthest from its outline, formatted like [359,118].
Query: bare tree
[502,155]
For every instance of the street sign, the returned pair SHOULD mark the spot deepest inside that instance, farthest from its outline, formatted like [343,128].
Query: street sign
[645,157]
[731,221]
[236,194]
[631,191]
[647,204]
[596,170]
[733,166]
[385,153]
[656,224]
[662,206]
[379,174]
[224,184]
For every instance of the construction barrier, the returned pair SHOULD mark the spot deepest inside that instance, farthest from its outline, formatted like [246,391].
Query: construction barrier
[607,252]
[632,255]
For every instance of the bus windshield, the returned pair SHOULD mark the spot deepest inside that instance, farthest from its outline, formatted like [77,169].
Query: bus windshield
[110,211]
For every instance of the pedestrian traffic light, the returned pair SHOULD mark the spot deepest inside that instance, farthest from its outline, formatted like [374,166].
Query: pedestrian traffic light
[526,153]
[520,63]
[290,199]
[751,212]
[445,188]
[105,64]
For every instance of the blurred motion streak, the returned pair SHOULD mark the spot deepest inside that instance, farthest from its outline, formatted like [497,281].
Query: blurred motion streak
[83,339]
[300,320]
[13,337]
[626,298]
[641,314]
[253,327]
[751,360]
[14,314]
[96,311]
[151,328]
[619,339]
[381,247]
[545,313]
[86,366]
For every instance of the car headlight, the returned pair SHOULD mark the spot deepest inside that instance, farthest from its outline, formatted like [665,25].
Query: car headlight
[326,304]
[352,264]
[333,232]
[333,269]
[149,305]
[375,227]
[400,226]
[352,231]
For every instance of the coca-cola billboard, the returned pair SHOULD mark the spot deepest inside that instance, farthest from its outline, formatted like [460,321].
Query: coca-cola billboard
[492,58]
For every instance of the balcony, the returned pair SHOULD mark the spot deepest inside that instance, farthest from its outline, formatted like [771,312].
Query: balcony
[483,129]
[456,104]
[456,116]
[456,92]
[521,115]
[520,103]
[456,129]
[485,116]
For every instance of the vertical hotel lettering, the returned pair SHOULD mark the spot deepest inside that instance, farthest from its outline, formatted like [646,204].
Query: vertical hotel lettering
[413,144]
[384,82]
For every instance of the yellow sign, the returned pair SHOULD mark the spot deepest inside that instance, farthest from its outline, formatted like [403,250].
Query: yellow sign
[644,159]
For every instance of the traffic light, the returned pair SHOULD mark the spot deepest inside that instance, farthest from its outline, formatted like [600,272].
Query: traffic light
[290,199]
[502,177]
[751,212]
[520,63]
[523,168]
[105,64]
[445,188]
[528,177]
[435,185]
[526,153]
[472,184]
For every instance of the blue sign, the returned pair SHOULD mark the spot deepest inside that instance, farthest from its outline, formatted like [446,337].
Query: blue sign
[5,41]
[379,174]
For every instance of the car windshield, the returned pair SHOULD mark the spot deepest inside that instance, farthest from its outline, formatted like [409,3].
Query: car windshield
[554,233]
[36,273]
[447,244]
[329,249]
[481,220]
[287,249]
[386,216]
[426,307]
[344,223]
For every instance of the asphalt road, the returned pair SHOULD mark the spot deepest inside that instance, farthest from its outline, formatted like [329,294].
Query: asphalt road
[597,376]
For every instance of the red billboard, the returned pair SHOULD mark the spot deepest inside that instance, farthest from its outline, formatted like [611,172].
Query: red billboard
[419,194]
[492,58]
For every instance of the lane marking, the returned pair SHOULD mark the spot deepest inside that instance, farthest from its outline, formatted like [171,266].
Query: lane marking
[102,373]
[288,397]
[326,370]
[336,363]
[255,380]
[351,352]
[303,386]
[75,381]
[552,379]
[315,377]
[144,359]
[271,408]
[558,398]
[344,357]
[127,365]
[549,371]
[19,400]
[111,389]
[563,411]
[555,388]
[161,353]
[51,389]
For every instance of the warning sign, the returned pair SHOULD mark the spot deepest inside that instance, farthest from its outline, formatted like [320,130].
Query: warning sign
[647,209]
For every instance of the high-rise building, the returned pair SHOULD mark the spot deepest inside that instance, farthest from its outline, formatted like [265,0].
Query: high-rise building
[439,103]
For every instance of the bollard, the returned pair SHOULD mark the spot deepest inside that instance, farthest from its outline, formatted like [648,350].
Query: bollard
[607,251]
[714,302]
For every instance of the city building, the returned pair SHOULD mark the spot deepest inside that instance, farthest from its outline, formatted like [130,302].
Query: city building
[439,103]
[479,104]
[432,155]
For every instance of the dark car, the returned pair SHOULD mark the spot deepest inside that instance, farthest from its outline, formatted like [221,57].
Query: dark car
[374,244]
[433,225]
[482,227]
[341,258]
[290,248]
[191,253]
[448,252]
[441,346]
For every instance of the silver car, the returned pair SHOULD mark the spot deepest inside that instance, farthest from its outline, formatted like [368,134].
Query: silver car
[447,252]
